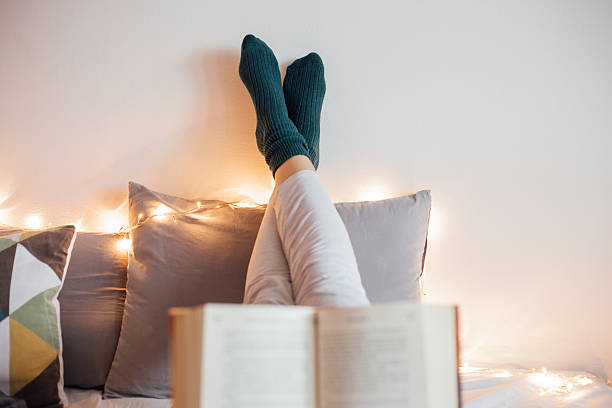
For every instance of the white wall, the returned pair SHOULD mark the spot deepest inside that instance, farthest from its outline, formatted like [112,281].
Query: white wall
[501,108]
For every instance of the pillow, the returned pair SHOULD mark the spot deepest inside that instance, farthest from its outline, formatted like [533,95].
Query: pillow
[91,303]
[32,270]
[189,259]
[389,238]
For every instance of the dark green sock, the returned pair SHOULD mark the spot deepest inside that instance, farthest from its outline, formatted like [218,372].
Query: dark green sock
[277,137]
[304,89]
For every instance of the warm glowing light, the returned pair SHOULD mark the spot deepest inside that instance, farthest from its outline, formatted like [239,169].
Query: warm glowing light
[501,373]
[550,382]
[546,382]
[218,206]
[160,210]
[34,221]
[244,203]
[465,368]
[199,204]
[434,224]
[582,380]
[3,216]
[124,244]
[140,216]
[250,193]
[576,395]
[111,222]
[373,192]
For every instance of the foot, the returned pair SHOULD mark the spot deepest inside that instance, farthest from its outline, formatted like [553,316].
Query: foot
[304,89]
[277,137]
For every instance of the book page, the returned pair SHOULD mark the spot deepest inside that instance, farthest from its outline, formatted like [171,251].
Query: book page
[373,357]
[258,356]
[440,344]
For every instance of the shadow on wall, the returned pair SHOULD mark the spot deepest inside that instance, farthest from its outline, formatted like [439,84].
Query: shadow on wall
[214,155]
[218,149]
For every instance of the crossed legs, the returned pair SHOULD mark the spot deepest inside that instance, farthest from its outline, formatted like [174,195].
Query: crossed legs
[303,254]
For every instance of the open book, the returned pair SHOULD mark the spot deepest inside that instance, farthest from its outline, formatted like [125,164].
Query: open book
[246,356]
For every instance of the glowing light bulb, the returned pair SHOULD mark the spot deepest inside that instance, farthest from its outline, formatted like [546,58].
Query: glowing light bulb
[34,221]
[124,244]
[140,216]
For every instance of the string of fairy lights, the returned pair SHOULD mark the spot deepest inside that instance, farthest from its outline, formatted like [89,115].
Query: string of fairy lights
[164,213]
[113,223]
[113,220]
[569,385]
[547,382]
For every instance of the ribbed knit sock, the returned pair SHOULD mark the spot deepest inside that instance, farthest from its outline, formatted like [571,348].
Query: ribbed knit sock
[304,89]
[277,137]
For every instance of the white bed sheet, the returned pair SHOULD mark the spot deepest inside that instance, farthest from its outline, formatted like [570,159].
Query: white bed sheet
[480,388]
[484,388]
[78,398]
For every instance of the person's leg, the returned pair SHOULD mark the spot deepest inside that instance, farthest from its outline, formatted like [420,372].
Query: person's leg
[314,239]
[315,243]
[277,137]
[290,167]
[268,280]
[304,89]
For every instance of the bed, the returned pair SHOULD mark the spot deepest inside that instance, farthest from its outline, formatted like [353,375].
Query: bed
[480,388]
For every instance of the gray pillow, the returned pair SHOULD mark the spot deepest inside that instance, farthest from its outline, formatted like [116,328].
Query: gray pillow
[389,238]
[187,259]
[91,307]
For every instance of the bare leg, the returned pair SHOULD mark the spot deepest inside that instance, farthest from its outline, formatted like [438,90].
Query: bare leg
[291,166]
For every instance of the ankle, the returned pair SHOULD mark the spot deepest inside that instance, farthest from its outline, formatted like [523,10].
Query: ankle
[291,166]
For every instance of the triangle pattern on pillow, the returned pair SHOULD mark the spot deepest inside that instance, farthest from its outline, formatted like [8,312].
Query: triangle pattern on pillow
[30,277]
[35,315]
[39,245]
[6,242]
[25,344]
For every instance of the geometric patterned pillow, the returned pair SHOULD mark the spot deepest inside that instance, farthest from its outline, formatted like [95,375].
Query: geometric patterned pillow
[32,269]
